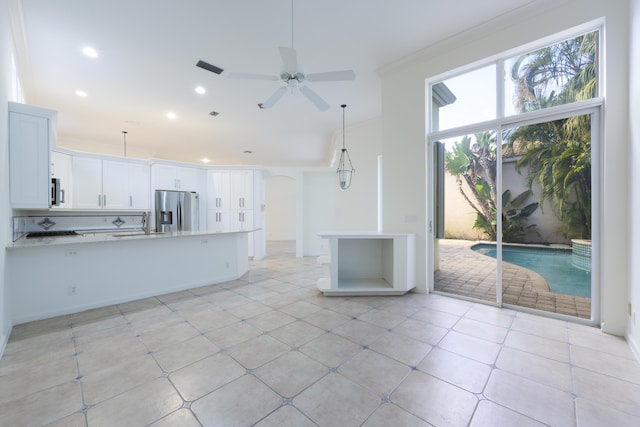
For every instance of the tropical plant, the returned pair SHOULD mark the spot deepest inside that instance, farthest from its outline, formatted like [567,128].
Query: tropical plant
[515,216]
[475,166]
[557,154]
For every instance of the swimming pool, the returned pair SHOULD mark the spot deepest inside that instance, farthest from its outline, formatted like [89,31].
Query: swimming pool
[551,263]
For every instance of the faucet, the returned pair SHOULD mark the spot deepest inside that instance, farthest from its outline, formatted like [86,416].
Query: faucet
[145,223]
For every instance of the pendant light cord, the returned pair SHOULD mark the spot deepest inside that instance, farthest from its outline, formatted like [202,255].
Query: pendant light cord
[343,107]
[124,134]
[292,46]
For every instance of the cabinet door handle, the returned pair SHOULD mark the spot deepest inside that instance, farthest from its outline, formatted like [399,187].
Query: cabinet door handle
[62,196]
[104,200]
[130,201]
[99,200]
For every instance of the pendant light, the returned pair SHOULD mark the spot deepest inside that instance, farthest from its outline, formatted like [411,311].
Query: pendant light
[345,171]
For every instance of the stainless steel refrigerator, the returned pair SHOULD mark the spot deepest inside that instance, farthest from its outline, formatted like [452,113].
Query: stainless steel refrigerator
[176,211]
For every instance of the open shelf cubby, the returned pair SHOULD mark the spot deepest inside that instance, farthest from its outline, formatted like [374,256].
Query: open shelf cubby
[370,264]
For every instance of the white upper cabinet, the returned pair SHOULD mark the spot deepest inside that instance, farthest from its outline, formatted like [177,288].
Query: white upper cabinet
[115,185]
[241,189]
[87,182]
[170,177]
[218,191]
[109,184]
[31,135]
[230,199]
[139,184]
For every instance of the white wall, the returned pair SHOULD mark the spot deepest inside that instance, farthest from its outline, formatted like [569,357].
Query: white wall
[404,124]
[6,48]
[320,203]
[356,207]
[633,332]
[280,208]
[319,200]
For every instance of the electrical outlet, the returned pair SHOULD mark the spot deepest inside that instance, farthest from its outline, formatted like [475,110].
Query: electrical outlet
[204,241]
[71,253]
[73,290]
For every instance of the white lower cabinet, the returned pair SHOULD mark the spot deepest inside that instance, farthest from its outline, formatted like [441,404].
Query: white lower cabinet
[241,220]
[218,220]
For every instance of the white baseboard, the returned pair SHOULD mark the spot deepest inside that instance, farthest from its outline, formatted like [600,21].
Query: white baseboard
[4,339]
[635,347]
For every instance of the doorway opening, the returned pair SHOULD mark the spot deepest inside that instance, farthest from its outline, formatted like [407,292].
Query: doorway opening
[280,215]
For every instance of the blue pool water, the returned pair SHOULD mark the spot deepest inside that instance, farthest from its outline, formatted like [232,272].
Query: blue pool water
[552,264]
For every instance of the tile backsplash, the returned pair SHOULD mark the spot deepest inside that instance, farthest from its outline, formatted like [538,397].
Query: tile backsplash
[26,224]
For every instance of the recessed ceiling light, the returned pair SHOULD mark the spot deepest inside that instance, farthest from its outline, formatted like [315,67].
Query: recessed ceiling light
[201,90]
[205,160]
[90,52]
[171,116]
[81,93]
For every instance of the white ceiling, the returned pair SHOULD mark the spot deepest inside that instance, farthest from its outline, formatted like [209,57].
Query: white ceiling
[146,67]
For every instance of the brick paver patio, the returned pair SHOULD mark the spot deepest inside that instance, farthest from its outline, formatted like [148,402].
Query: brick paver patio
[467,273]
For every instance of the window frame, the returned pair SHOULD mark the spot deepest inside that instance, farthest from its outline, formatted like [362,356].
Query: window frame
[593,106]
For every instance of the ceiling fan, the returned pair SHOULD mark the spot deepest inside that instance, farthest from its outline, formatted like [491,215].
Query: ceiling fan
[295,77]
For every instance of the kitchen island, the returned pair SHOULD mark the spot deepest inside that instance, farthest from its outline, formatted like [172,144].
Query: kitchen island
[61,275]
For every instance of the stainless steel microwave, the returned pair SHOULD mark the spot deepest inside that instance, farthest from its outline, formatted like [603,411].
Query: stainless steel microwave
[57,193]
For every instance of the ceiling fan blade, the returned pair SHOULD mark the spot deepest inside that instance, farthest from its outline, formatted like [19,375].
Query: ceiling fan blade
[273,98]
[289,59]
[250,76]
[332,76]
[320,103]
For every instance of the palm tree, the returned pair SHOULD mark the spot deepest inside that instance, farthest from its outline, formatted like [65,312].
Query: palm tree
[558,153]
[475,165]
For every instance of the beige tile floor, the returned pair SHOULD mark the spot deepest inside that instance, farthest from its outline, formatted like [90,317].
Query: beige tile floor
[269,350]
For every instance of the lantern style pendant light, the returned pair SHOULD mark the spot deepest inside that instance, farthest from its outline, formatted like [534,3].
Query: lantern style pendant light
[345,168]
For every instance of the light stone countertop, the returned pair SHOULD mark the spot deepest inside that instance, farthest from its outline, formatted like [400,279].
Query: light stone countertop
[110,236]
